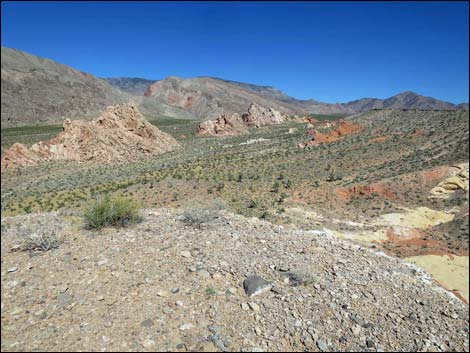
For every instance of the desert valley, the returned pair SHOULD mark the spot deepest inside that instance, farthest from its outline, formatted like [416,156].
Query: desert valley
[256,176]
[257,221]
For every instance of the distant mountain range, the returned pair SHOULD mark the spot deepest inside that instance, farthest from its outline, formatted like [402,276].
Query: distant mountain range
[206,96]
[38,90]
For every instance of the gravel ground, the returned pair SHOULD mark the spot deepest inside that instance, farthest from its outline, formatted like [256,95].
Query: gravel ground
[163,285]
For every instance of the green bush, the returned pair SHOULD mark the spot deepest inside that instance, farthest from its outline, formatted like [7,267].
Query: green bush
[210,291]
[118,211]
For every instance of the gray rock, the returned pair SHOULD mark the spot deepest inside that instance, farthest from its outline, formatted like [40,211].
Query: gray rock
[180,346]
[254,285]
[64,299]
[203,273]
[296,278]
[186,254]
[147,323]
[215,338]
[322,346]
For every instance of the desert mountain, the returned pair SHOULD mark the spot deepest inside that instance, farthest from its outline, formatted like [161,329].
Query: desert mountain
[35,90]
[405,100]
[120,134]
[132,85]
[39,90]
[207,97]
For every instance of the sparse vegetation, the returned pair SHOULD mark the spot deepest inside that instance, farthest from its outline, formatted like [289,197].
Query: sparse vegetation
[210,291]
[198,215]
[116,211]
[40,241]
[258,180]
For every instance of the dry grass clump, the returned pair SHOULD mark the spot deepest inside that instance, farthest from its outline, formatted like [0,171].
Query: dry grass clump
[41,242]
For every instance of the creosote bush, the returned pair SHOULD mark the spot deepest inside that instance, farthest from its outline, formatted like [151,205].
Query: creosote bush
[117,211]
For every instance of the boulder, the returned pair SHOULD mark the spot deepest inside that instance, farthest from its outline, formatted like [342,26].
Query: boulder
[254,285]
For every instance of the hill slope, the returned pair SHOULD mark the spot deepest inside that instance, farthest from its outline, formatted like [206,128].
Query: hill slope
[163,285]
[132,85]
[405,100]
[36,90]
[208,97]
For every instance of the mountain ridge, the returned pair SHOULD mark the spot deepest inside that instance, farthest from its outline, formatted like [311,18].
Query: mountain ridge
[41,90]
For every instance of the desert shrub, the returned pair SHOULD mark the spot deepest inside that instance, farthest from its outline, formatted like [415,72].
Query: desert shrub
[118,211]
[210,291]
[198,215]
[40,242]
[252,204]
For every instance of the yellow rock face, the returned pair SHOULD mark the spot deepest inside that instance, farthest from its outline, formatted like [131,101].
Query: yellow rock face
[458,180]
[421,217]
[450,273]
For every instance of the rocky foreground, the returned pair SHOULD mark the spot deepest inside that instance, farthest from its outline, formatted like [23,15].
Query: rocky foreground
[166,285]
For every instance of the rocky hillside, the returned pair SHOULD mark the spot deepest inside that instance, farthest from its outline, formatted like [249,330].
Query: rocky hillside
[208,97]
[132,85]
[36,90]
[119,134]
[165,285]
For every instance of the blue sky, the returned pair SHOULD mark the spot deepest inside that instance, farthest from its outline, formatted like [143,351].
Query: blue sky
[329,51]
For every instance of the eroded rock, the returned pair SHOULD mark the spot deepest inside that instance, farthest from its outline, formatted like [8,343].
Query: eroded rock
[120,134]
[233,125]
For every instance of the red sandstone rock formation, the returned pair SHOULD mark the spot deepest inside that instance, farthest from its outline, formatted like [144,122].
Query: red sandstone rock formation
[120,134]
[343,128]
[366,190]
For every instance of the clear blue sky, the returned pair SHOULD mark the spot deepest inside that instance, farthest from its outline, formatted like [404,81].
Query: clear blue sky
[330,51]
